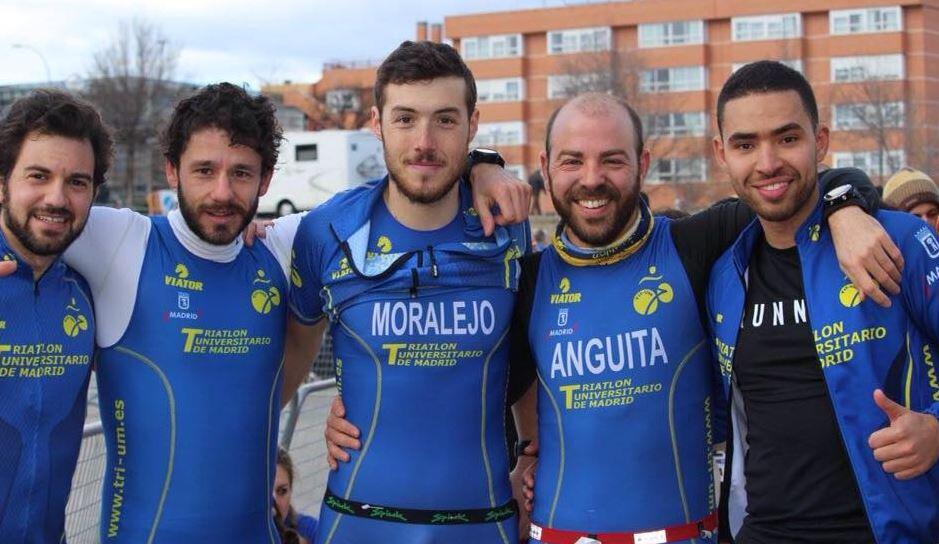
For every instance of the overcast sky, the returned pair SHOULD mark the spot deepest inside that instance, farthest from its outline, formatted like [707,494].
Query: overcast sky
[229,40]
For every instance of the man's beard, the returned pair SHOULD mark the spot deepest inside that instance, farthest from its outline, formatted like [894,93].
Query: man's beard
[220,237]
[597,234]
[28,240]
[420,194]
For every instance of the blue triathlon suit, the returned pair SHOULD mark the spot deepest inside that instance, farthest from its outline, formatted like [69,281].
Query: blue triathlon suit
[197,370]
[419,323]
[46,348]
[626,412]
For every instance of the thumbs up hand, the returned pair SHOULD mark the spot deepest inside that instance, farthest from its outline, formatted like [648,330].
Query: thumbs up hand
[909,446]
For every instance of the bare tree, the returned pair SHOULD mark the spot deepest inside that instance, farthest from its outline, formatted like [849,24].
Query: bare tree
[874,112]
[130,81]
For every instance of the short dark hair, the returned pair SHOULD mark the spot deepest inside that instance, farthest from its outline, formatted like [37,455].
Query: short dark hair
[54,112]
[423,61]
[766,76]
[613,99]
[248,120]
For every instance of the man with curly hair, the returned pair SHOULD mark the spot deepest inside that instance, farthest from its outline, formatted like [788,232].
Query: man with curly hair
[191,330]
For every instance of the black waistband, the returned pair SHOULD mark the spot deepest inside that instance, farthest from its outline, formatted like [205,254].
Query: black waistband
[412,515]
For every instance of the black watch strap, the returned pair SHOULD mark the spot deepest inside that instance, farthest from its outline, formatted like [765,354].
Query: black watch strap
[482,156]
[851,197]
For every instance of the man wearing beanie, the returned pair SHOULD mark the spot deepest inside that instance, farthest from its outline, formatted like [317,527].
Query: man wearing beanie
[913,191]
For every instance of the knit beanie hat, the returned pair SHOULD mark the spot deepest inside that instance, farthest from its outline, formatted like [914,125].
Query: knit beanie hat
[909,187]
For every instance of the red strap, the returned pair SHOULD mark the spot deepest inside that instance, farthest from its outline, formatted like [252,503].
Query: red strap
[675,533]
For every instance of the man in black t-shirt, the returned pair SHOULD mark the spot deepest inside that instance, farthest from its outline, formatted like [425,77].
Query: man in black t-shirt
[817,458]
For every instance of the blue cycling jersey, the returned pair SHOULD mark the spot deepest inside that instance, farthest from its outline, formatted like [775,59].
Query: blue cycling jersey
[419,321]
[190,399]
[46,348]
[625,404]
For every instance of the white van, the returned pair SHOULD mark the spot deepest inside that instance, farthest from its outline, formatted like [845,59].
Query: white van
[314,166]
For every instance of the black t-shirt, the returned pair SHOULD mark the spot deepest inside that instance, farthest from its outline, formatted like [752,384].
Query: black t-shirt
[800,486]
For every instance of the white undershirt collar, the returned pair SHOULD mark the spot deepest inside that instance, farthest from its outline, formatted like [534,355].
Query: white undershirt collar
[199,247]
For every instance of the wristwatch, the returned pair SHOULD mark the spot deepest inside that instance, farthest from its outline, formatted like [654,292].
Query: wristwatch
[481,155]
[841,196]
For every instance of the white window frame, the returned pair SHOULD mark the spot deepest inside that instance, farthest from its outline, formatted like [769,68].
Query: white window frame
[695,128]
[844,116]
[560,84]
[795,64]
[517,170]
[840,21]
[500,134]
[682,170]
[759,27]
[471,46]
[868,68]
[869,161]
[573,40]
[496,90]
[649,81]
[666,35]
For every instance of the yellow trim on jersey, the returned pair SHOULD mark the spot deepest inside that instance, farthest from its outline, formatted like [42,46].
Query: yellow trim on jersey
[614,255]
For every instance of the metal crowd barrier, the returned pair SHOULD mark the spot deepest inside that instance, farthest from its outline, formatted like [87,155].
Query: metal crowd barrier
[301,433]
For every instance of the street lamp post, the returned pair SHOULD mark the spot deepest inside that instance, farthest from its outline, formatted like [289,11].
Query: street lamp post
[40,55]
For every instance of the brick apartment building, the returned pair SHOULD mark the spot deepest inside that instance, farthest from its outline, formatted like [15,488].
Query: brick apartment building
[873,63]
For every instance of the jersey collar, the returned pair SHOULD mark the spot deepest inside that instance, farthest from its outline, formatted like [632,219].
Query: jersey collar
[630,243]
[199,247]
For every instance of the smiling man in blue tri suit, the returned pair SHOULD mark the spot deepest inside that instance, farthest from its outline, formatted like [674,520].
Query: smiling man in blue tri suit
[419,302]
[54,153]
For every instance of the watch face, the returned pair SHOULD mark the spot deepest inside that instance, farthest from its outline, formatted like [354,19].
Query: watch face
[837,192]
[485,151]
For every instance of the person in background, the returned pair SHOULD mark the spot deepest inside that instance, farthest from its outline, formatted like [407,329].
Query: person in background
[915,192]
[292,526]
[540,240]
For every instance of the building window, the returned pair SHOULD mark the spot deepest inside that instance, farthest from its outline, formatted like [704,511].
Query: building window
[491,47]
[858,21]
[795,64]
[517,170]
[685,78]
[867,116]
[673,33]
[509,89]
[678,170]
[579,40]
[496,134]
[305,152]
[875,163]
[875,67]
[766,27]
[693,123]
[338,100]
[568,85]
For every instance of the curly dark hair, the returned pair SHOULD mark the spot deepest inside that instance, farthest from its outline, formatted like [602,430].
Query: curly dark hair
[249,121]
[54,112]
[423,61]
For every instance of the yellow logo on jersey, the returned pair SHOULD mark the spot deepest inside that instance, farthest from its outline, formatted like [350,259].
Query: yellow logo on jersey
[646,301]
[565,296]
[181,279]
[849,296]
[384,244]
[814,231]
[344,269]
[74,322]
[7,257]
[295,278]
[265,297]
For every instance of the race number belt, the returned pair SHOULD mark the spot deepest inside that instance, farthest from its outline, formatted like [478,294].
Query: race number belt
[702,528]
[413,515]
